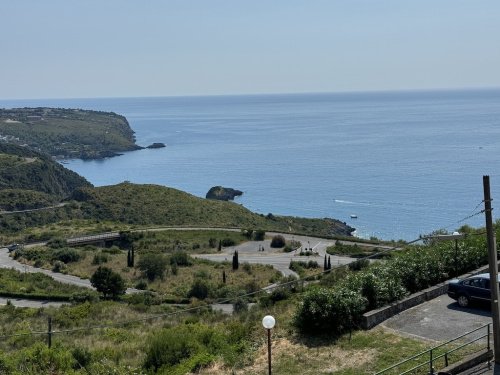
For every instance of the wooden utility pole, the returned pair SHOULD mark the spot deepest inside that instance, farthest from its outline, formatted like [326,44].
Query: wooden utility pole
[493,267]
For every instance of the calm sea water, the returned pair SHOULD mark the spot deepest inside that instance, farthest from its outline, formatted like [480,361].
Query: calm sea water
[406,163]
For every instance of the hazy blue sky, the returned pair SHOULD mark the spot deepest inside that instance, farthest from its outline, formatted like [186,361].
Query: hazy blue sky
[96,48]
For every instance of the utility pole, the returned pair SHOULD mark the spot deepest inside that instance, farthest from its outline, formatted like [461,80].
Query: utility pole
[493,267]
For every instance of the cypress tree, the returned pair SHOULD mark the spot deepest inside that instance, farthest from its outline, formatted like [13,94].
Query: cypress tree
[329,263]
[224,276]
[325,265]
[235,261]
[132,258]
[220,245]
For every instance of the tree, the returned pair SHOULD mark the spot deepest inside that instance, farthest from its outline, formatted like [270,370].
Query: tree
[108,282]
[153,265]
[278,241]
[212,242]
[259,235]
[224,276]
[329,263]
[198,290]
[325,265]
[220,245]
[236,262]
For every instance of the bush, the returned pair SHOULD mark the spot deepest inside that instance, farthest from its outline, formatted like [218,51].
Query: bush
[186,348]
[198,290]
[228,242]
[181,258]
[278,241]
[56,243]
[100,258]
[330,312]
[141,285]
[358,265]
[259,235]
[153,265]
[240,305]
[108,282]
[212,243]
[66,255]
[58,266]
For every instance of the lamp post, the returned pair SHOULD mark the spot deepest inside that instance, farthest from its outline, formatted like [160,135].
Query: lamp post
[268,322]
[446,237]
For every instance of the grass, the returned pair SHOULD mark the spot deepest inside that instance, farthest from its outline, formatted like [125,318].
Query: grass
[122,346]
[36,285]
[247,278]
[191,241]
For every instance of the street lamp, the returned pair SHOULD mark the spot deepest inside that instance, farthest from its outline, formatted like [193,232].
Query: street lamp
[446,237]
[268,322]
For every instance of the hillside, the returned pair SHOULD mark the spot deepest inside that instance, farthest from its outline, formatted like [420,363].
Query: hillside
[31,180]
[67,133]
[22,168]
[159,205]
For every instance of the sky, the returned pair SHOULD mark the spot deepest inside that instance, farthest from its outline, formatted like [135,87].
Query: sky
[130,48]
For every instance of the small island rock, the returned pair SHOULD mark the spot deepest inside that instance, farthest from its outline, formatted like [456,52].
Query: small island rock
[223,194]
[156,145]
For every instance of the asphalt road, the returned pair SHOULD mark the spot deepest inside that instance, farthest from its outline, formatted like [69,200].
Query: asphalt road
[439,319]
[30,303]
[249,252]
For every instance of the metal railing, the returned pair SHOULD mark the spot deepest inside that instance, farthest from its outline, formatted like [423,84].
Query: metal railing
[436,353]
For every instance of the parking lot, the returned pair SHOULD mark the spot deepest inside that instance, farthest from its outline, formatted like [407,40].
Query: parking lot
[439,320]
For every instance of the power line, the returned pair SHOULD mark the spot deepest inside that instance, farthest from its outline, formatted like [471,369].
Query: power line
[230,299]
[226,300]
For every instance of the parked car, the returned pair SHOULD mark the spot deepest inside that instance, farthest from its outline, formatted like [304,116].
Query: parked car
[471,289]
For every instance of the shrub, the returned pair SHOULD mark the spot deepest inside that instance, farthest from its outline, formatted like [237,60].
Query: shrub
[212,243]
[108,282]
[100,258]
[278,241]
[66,255]
[58,266]
[358,265]
[141,285]
[259,235]
[240,305]
[228,242]
[56,243]
[181,258]
[153,265]
[328,311]
[186,348]
[198,290]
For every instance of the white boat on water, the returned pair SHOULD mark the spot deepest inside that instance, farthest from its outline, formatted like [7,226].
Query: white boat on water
[353,216]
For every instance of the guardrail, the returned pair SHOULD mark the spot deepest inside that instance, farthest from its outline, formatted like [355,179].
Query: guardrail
[94,238]
[436,353]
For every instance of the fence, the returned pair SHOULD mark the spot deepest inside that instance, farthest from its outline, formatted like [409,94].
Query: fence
[433,356]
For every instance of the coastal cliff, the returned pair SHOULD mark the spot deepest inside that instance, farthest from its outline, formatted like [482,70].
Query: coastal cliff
[67,133]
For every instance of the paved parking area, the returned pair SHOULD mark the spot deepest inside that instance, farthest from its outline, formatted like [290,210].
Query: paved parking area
[439,320]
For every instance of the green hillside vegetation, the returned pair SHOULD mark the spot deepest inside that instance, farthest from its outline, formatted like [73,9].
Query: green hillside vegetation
[68,133]
[159,205]
[18,199]
[22,168]
[17,284]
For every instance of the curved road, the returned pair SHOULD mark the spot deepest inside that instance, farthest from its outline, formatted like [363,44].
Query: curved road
[247,252]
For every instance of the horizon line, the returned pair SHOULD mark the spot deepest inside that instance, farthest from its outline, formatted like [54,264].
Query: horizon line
[374,91]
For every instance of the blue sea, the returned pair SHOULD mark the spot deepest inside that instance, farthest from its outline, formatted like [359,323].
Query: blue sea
[405,163]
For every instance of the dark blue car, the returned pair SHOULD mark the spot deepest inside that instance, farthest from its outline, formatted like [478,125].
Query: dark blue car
[472,289]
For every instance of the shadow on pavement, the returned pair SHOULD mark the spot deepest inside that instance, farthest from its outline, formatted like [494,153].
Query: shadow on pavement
[481,309]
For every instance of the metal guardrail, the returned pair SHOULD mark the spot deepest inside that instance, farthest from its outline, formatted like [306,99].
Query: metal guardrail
[97,237]
[431,361]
